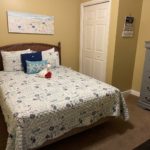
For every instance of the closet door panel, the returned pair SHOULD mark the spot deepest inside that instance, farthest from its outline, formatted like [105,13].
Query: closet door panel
[88,66]
[94,50]
[97,73]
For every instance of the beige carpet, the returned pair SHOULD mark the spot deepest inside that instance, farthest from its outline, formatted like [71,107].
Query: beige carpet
[113,135]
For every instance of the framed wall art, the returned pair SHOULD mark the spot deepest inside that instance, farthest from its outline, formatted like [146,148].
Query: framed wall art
[128,29]
[19,22]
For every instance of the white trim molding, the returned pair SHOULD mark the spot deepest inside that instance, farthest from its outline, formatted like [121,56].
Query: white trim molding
[133,92]
[93,2]
[136,93]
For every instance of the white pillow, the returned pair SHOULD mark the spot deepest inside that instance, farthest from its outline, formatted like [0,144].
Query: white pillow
[12,60]
[45,52]
[52,57]
[48,52]
[54,60]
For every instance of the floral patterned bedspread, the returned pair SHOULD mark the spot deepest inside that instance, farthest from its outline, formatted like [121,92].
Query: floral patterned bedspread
[38,109]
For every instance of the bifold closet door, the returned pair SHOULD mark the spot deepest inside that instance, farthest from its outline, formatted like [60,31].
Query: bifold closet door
[95,26]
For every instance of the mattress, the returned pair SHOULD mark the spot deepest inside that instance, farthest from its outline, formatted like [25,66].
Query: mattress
[38,109]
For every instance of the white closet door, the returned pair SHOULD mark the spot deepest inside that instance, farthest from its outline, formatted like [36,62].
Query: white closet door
[94,50]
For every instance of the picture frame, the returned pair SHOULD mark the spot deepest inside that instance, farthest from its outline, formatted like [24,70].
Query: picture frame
[20,22]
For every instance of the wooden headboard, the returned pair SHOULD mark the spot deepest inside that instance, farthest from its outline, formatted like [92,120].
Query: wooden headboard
[32,46]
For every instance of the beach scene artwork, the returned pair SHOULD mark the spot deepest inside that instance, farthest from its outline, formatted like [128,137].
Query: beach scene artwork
[19,22]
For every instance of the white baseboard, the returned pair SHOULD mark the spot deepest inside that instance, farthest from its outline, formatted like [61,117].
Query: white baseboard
[136,93]
[133,92]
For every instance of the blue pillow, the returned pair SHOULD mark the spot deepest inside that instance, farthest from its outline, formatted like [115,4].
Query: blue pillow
[30,57]
[35,66]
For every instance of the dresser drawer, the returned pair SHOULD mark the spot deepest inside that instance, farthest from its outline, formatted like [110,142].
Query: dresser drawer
[146,85]
[145,97]
[147,61]
[145,89]
[146,79]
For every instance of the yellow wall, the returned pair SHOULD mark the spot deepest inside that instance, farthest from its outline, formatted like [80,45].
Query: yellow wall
[67,16]
[125,49]
[144,35]
[122,51]
[66,13]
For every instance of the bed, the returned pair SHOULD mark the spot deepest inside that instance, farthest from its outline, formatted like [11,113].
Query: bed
[39,111]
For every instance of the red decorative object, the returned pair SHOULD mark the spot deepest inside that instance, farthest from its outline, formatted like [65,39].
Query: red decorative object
[48,75]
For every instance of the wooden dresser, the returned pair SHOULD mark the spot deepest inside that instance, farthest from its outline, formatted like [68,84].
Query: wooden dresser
[145,88]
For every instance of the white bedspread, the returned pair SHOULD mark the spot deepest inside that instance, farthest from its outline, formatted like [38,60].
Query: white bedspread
[38,109]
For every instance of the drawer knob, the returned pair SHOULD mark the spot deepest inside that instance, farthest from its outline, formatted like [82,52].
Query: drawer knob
[147,98]
[148,88]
